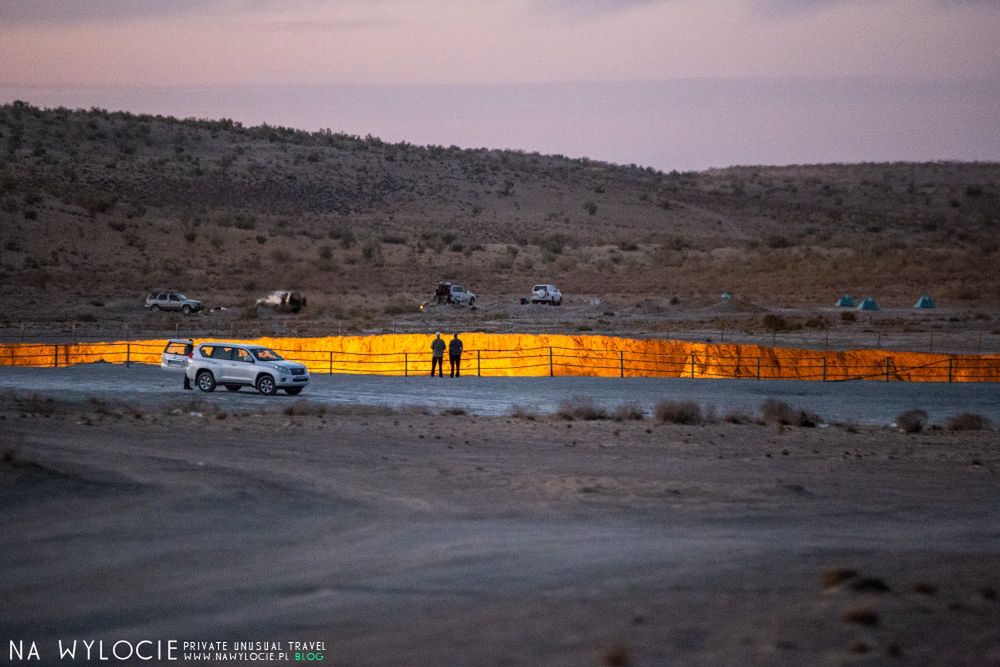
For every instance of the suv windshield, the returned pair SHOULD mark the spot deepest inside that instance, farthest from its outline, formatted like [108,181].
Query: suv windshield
[265,354]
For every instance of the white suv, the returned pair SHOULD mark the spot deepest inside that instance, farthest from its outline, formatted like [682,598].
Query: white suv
[549,294]
[236,365]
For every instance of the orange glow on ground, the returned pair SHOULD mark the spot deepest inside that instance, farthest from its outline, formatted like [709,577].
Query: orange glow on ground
[490,354]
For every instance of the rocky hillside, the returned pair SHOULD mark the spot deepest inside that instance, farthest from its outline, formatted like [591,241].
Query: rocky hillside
[103,204]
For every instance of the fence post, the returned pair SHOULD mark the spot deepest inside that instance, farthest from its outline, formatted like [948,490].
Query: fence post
[330,363]
[950,362]
[406,364]
[128,355]
[551,368]
[621,363]
[887,369]
[758,368]
[824,368]
[878,339]
[55,356]
[692,364]
[479,364]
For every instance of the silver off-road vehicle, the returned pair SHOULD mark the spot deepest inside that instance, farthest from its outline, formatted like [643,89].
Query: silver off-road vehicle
[174,301]
[237,365]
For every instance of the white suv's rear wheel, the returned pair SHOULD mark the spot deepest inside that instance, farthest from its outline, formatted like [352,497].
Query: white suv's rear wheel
[205,381]
[266,385]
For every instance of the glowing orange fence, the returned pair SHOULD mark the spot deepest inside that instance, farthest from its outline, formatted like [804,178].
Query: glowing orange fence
[490,354]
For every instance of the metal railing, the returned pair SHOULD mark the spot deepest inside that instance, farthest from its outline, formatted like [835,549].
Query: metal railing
[551,360]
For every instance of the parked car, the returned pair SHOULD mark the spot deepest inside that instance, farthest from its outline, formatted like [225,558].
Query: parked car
[236,365]
[549,294]
[284,301]
[176,354]
[453,293]
[174,301]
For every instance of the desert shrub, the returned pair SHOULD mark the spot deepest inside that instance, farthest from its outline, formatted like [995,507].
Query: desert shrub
[372,252]
[628,412]
[454,412]
[261,239]
[774,322]
[304,408]
[737,416]
[627,246]
[777,241]
[554,243]
[522,412]
[325,251]
[967,421]
[848,316]
[779,412]
[678,412]
[582,408]
[400,306]
[590,207]
[912,421]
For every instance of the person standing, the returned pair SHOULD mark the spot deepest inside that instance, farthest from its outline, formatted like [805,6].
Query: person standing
[455,356]
[437,355]
[188,349]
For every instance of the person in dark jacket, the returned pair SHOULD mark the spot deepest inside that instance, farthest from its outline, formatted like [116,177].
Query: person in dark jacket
[437,355]
[188,349]
[455,356]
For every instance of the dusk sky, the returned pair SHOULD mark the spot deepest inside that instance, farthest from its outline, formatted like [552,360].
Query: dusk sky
[683,84]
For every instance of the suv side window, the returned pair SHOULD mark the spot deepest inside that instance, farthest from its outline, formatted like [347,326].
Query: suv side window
[243,355]
[207,351]
[173,297]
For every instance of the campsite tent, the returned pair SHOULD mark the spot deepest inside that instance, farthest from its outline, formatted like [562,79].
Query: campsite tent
[925,302]
[845,301]
[726,296]
[868,303]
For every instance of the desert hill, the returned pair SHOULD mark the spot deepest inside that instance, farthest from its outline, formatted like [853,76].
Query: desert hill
[99,205]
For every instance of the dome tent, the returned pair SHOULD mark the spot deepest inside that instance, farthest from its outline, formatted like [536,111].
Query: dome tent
[845,301]
[868,303]
[925,302]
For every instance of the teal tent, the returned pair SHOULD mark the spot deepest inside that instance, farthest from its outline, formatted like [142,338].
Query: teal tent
[726,296]
[845,301]
[925,302]
[868,303]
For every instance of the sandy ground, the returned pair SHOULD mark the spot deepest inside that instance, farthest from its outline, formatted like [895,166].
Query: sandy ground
[414,537]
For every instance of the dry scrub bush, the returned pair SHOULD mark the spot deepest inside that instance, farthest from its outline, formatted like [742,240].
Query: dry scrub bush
[967,421]
[678,412]
[628,412]
[779,412]
[582,408]
[304,408]
[522,412]
[912,421]
[737,416]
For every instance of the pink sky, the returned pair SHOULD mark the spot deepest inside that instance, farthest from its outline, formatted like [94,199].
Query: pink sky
[62,51]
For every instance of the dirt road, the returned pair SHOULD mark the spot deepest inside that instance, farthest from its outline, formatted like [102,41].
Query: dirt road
[409,537]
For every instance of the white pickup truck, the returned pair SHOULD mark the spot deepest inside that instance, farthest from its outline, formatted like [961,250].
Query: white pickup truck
[549,294]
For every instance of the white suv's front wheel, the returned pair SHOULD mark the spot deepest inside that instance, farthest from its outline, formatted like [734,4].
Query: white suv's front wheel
[266,385]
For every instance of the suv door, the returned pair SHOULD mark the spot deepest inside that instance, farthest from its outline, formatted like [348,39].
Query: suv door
[175,355]
[173,302]
[244,366]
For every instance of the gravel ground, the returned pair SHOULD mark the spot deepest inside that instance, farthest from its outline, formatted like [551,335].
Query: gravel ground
[844,402]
